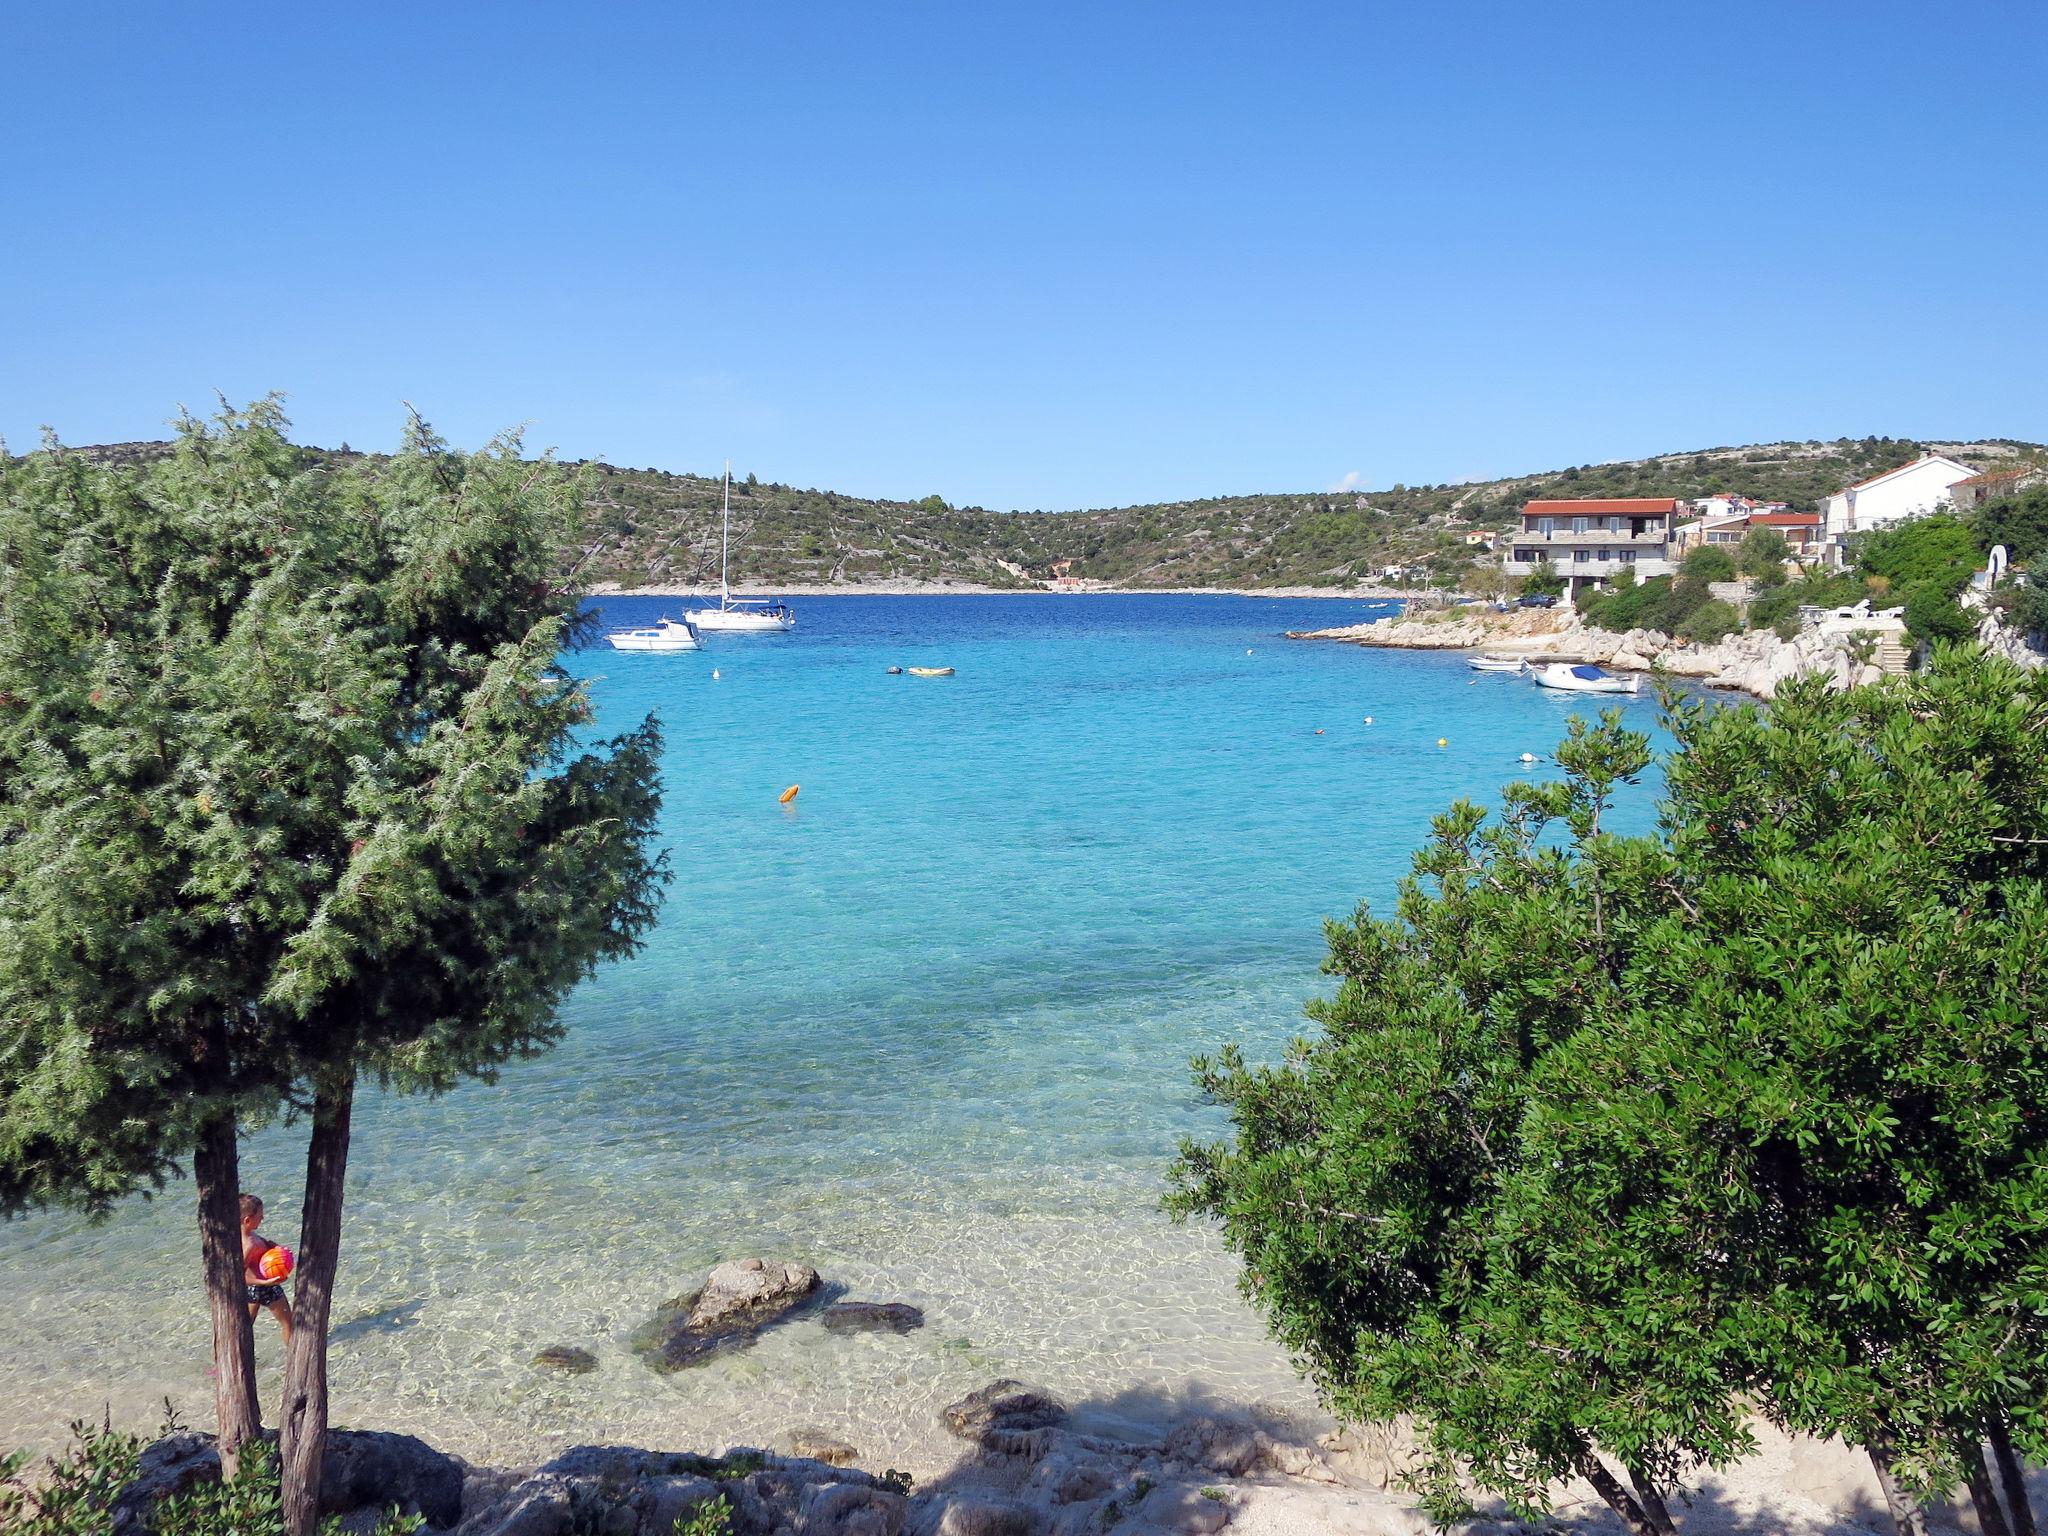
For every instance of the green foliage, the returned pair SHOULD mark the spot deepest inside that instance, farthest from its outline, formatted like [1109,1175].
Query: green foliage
[713,1517]
[1709,562]
[1604,1140]
[1777,604]
[2026,607]
[1542,581]
[75,1492]
[2019,522]
[1763,556]
[1939,550]
[1712,620]
[1932,613]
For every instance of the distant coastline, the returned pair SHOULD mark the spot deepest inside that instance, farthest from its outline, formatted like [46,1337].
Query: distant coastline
[904,588]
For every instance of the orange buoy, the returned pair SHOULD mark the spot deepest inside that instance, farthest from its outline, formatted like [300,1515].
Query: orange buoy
[788,794]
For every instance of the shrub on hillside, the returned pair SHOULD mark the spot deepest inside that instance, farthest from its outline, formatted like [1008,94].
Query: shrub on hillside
[1939,548]
[2018,522]
[1712,620]
[1933,614]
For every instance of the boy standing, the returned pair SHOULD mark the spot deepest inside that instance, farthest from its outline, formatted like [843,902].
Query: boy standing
[265,1294]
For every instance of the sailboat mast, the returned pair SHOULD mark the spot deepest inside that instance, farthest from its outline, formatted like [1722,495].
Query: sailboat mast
[725,542]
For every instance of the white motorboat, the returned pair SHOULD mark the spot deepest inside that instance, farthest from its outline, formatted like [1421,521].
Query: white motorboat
[1568,678]
[738,615]
[666,635]
[1495,663]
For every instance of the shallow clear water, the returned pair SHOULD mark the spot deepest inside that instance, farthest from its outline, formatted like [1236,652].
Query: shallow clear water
[927,1029]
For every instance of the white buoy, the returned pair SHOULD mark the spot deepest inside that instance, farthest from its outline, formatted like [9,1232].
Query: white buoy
[1528,757]
[1368,719]
[714,674]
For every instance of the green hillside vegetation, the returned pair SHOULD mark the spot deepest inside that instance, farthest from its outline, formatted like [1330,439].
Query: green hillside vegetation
[650,527]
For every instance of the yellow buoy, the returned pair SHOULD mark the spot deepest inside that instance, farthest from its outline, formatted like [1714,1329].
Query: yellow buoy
[1443,741]
[788,794]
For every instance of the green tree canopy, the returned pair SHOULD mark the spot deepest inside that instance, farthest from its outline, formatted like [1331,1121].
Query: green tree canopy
[1604,1139]
[296,796]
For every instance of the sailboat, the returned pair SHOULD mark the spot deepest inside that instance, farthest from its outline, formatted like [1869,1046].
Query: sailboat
[738,615]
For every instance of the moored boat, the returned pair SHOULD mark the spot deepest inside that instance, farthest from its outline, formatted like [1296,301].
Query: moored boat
[931,671]
[665,635]
[739,615]
[1495,663]
[1568,678]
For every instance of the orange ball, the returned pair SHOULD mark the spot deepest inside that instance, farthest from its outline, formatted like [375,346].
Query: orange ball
[276,1262]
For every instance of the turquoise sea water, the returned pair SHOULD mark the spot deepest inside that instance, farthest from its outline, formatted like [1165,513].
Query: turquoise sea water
[926,1028]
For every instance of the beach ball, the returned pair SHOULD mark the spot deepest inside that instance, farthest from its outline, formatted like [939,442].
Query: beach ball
[276,1262]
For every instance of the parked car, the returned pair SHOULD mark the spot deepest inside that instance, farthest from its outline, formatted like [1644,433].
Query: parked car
[1537,600]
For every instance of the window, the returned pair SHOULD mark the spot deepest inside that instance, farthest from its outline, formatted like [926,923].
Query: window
[1578,525]
[1581,556]
[1546,526]
[1527,555]
[1604,553]
[1628,557]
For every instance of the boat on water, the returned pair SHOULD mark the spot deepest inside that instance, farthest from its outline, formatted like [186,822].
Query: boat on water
[1495,663]
[930,671]
[664,635]
[739,615]
[1567,678]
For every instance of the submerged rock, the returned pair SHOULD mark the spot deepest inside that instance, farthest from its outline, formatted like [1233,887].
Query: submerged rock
[818,1445]
[728,1311]
[568,1358]
[1003,1407]
[873,1317]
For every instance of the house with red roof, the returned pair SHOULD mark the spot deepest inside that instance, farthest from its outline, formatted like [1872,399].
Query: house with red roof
[1589,541]
[1996,484]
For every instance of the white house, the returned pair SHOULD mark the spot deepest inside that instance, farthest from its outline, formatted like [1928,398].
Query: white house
[1907,491]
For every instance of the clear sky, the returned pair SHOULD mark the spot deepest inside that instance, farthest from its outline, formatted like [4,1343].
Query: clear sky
[1033,255]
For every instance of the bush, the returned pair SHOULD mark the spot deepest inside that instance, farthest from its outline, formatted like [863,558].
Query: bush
[2027,608]
[1932,614]
[1764,553]
[2019,522]
[1710,562]
[76,1495]
[1939,548]
[1543,581]
[1712,620]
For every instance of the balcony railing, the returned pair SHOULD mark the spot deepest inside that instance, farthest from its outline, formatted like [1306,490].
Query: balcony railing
[1610,536]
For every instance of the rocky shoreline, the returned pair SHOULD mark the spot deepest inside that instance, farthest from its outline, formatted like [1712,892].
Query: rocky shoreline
[1757,662]
[1031,1464]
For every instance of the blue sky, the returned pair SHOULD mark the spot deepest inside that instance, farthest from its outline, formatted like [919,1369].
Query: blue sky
[1042,255]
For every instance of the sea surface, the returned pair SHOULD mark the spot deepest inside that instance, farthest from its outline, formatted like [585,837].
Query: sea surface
[927,1027]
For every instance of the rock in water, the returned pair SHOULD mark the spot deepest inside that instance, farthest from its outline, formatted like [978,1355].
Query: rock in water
[818,1445]
[872,1317]
[1002,1407]
[568,1358]
[728,1311]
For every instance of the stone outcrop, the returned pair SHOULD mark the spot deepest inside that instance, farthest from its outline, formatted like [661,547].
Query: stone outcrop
[620,1491]
[1002,1408]
[1757,662]
[364,1469]
[728,1311]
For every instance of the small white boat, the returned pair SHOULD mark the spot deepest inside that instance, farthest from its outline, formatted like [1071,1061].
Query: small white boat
[931,671]
[1495,663]
[739,615]
[1568,678]
[667,635]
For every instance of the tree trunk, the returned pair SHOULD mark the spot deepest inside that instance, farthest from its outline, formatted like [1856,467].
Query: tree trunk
[216,1173]
[1652,1502]
[1617,1498]
[1990,1518]
[2018,1507]
[1907,1516]
[302,1427]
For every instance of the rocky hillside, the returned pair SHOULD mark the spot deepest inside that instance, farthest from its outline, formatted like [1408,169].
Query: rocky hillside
[650,527]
